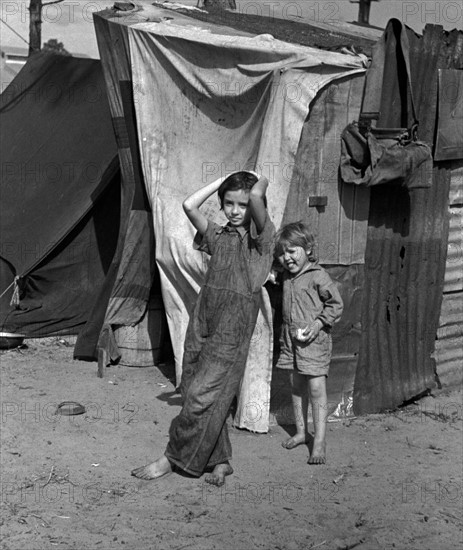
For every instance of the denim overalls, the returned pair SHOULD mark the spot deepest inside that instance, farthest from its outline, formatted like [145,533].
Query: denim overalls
[217,344]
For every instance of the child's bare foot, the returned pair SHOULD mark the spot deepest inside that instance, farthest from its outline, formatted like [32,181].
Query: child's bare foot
[318,455]
[217,476]
[159,468]
[294,441]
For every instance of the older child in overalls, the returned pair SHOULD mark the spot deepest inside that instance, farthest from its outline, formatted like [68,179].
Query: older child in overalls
[311,305]
[221,326]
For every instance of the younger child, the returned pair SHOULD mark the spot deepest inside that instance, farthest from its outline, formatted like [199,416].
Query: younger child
[221,326]
[311,305]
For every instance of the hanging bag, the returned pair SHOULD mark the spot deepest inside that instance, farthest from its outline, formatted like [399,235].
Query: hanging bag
[373,156]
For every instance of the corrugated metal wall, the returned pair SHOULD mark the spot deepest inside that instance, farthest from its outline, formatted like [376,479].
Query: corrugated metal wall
[406,248]
[449,344]
[454,265]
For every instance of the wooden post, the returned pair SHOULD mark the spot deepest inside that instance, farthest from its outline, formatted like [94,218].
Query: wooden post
[364,12]
[35,25]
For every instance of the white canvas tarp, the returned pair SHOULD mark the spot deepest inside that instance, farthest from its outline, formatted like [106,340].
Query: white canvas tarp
[208,104]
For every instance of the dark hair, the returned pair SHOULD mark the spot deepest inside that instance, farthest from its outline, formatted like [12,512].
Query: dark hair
[236,182]
[295,234]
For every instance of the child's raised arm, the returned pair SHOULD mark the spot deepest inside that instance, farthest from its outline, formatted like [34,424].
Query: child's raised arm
[192,203]
[257,201]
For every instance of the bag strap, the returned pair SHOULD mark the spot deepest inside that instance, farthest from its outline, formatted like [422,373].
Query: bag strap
[375,75]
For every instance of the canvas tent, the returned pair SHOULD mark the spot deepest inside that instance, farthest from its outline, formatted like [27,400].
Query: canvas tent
[60,195]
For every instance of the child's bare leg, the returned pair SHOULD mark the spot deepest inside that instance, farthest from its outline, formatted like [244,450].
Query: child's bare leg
[217,476]
[318,397]
[159,468]
[300,407]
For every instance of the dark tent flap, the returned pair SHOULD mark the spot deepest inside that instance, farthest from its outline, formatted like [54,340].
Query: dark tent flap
[58,294]
[58,153]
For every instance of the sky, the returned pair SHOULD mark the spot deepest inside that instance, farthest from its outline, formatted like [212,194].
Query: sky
[71,21]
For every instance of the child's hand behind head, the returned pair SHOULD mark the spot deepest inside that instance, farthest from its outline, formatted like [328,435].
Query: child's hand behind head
[253,173]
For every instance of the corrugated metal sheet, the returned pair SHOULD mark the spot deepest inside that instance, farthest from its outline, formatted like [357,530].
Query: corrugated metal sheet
[341,225]
[456,185]
[454,263]
[406,249]
[451,331]
[448,357]
[451,313]
[449,344]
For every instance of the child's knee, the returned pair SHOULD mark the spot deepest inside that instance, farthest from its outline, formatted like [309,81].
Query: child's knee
[317,389]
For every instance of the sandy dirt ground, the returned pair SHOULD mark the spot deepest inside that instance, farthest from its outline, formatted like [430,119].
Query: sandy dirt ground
[392,480]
